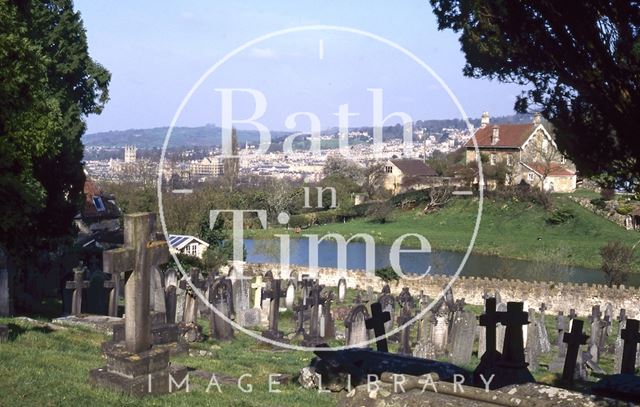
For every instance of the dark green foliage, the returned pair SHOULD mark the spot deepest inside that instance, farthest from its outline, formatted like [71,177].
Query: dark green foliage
[380,212]
[48,84]
[599,203]
[220,249]
[580,62]
[387,274]
[617,262]
[560,216]
[625,209]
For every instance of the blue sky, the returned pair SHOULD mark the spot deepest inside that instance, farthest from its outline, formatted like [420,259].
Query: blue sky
[156,51]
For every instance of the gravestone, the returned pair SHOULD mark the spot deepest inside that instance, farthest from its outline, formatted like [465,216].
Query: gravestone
[241,297]
[342,289]
[608,316]
[257,286]
[157,295]
[299,311]
[557,363]
[327,324]
[190,313]
[97,296]
[171,302]
[220,297]
[265,304]
[115,287]
[490,356]
[356,327]
[134,366]
[273,295]
[631,337]
[171,277]
[371,297]
[425,349]
[388,303]
[405,334]
[315,301]
[77,285]
[290,295]
[533,348]
[619,344]
[543,335]
[405,297]
[573,339]
[511,368]
[597,327]
[462,344]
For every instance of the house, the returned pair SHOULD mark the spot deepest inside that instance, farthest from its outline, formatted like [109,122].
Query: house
[208,166]
[189,245]
[529,152]
[403,174]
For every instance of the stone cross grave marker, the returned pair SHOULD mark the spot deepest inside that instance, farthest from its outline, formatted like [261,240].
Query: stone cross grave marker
[77,285]
[490,356]
[315,302]
[299,310]
[512,368]
[139,254]
[619,344]
[557,363]
[405,335]
[273,294]
[356,326]
[631,338]
[220,296]
[573,339]
[377,323]
[190,313]
[342,289]
[306,285]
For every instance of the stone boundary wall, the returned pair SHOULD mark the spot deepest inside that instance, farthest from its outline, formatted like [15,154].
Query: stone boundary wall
[556,296]
[609,214]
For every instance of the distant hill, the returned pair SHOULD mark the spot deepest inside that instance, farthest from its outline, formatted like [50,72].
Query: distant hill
[203,136]
[210,135]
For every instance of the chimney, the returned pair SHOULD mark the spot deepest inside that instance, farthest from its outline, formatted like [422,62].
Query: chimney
[495,136]
[537,118]
[484,121]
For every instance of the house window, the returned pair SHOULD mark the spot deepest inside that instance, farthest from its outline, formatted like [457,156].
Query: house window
[97,201]
[192,249]
[492,159]
[388,169]
[563,159]
[530,176]
[508,159]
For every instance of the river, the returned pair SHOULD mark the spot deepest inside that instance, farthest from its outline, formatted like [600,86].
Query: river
[441,262]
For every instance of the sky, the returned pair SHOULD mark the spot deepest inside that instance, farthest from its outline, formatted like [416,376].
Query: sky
[157,51]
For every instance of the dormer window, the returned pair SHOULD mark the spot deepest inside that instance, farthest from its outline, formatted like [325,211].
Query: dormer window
[388,169]
[563,159]
[97,202]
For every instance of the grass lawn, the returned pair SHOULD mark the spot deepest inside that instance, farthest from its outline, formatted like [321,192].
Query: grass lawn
[509,229]
[46,367]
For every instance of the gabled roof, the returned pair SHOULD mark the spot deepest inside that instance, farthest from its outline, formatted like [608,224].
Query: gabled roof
[510,135]
[416,168]
[554,169]
[97,205]
[178,242]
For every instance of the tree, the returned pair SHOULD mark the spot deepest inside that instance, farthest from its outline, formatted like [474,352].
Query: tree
[581,63]
[220,249]
[48,85]
[617,262]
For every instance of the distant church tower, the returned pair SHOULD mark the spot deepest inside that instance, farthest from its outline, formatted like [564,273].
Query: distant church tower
[130,154]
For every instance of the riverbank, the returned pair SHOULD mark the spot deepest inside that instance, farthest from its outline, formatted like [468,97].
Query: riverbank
[508,229]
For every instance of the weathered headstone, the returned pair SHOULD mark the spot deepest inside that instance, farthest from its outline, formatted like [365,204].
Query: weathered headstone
[77,285]
[190,313]
[406,314]
[342,289]
[97,296]
[462,344]
[327,323]
[220,297]
[241,298]
[533,349]
[315,301]
[114,286]
[405,297]
[425,349]
[290,295]
[356,328]
[557,363]
[388,303]
[619,344]
[543,335]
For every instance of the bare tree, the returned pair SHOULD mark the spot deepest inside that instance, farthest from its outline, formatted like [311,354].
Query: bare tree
[438,197]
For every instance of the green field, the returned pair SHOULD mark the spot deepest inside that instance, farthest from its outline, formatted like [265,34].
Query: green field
[510,229]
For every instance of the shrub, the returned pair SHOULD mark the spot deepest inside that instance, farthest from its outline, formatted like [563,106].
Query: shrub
[617,262]
[625,209]
[599,203]
[380,212]
[387,274]
[560,216]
